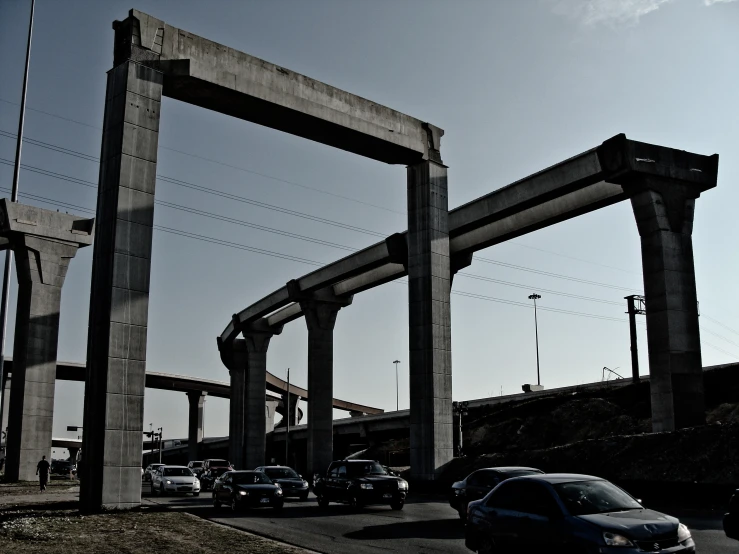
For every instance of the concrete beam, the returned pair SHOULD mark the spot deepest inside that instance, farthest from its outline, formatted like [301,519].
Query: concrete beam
[213,76]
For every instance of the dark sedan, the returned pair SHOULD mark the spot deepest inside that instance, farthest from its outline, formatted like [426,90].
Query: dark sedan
[570,513]
[291,483]
[241,489]
[478,483]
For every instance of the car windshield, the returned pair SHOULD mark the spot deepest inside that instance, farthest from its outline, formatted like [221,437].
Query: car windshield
[281,473]
[197,464]
[250,478]
[594,497]
[357,469]
[177,472]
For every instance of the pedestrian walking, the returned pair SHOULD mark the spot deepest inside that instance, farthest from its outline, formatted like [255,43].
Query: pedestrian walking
[42,470]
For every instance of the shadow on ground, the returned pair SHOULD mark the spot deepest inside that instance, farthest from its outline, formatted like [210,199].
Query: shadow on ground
[432,529]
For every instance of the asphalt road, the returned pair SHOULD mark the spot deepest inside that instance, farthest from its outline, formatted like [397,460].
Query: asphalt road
[426,525]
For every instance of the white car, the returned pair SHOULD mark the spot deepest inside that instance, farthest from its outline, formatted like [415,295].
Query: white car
[169,479]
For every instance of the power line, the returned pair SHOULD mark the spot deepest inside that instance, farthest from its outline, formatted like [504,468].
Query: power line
[218,162]
[719,323]
[720,337]
[734,356]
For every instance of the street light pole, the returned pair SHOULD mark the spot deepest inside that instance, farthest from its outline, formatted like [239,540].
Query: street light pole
[535,297]
[287,430]
[160,444]
[396,362]
[14,198]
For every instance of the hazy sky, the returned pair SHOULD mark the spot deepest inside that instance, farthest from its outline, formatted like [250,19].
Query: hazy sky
[516,85]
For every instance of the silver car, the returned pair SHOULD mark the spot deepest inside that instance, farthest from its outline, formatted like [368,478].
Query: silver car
[170,479]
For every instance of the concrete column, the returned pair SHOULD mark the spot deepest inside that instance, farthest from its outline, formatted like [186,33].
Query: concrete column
[41,266]
[73,451]
[196,400]
[119,298]
[255,418]
[292,400]
[6,408]
[320,317]
[429,284]
[234,357]
[664,216]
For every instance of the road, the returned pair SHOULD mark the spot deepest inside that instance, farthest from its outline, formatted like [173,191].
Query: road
[426,525]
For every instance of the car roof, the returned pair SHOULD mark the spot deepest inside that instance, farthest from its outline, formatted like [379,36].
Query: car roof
[275,467]
[245,471]
[505,469]
[359,461]
[555,478]
[176,467]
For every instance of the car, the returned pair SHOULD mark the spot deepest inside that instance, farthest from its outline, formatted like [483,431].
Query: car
[571,513]
[731,518]
[290,481]
[478,483]
[239,489]
[196,467]
[149,471]
[360,483]
[212,469]
[167,479]
[63,468]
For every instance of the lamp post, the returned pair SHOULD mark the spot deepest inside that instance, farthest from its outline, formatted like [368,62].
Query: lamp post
[287,428]
[535,297]
[396,362]
[160,444]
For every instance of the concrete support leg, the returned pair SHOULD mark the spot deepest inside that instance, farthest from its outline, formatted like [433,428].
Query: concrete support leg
[664,216]
[73,452]
[6,409]
[255,417]
[196,401]
[234,357]
[41,265]
[320,317]
[292,401]
[270,409]
[119,298]
[429,284]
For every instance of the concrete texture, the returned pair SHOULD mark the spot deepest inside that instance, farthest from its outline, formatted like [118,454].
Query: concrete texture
[320,318]
[430,339]
[218,78]
[664,216]
[116,357]
[235,359]
[4,415]
[44,242]
[196,401]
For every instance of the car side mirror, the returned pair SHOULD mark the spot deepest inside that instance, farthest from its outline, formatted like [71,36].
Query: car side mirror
[638,500]
[300,476]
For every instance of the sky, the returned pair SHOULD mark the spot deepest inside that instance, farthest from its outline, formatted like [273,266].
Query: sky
[517,86]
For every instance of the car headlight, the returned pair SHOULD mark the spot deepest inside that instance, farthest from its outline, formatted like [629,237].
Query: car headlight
[278,492]
[305,483]
[612,539]
[243,493]
[169,482]
[403,485]
[458,491]
[683,533]
[366,485]
[196,482]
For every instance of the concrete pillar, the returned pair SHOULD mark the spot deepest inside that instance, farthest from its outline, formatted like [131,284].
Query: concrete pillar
[254,443]
[73,451]
[295,414]
[41,266]
[234,357]
[119,298]
[664,217]
[6,409]
[196,400]
[320,317]
[429,284]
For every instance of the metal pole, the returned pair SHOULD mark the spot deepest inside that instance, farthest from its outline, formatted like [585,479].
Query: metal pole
[631,310]
[287,433]
[161,432]
[396,362]
[536,327]
[14,198]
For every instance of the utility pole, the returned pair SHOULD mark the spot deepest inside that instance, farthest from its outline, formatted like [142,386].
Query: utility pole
[14,198]
[287,431]
[396,362]
[535,297]
[160,444]
[634,305]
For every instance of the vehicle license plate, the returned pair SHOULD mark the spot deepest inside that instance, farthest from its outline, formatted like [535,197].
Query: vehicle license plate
[264,500]
[387,495]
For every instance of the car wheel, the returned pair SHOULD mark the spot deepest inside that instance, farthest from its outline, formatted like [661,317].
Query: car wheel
[304,497]
[398,505]
[234,504]
[322,500]
[196,494]
[161,489]
[278,506]
[216,502]
[354,501]
[462,515]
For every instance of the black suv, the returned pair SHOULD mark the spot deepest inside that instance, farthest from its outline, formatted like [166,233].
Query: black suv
[360,482]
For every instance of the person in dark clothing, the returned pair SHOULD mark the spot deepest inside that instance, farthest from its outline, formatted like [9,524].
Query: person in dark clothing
[42,470]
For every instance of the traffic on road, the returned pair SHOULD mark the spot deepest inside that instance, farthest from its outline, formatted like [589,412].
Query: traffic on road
[493,510]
